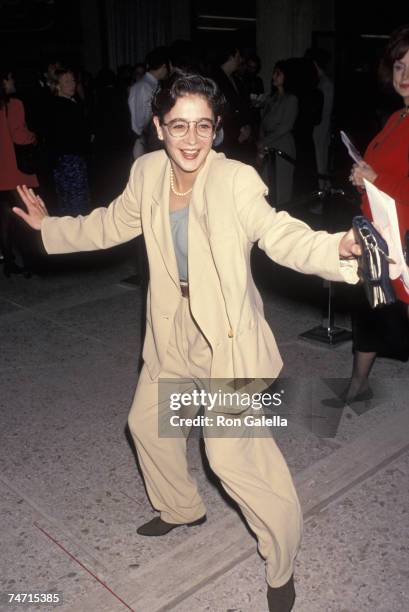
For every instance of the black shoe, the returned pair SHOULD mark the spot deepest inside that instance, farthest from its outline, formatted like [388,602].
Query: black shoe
[362,396]
[334,402]
[157,527]
[281,599]
[343,401]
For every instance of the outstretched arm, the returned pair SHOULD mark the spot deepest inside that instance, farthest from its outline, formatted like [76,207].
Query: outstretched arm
[101,229]
[289,241]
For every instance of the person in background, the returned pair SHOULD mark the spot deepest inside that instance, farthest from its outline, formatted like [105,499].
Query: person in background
[322,131]
[46,77]
[254,87]
[205,316]
[252,80]
[125,78]
[38,100]
[158,67]
[13,130]
[276,133]
[185,56]
[112,146]
[310,105]
[138,72]
[237,117]
[68,140]
[39,97]
[84,90]
[385,331]
[140,98]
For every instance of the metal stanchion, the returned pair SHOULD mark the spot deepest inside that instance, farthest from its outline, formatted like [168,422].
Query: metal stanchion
[328,333]
[270,158]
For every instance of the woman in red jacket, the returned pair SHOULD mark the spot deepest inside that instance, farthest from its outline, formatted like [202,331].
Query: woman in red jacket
[13,130]
[386,164]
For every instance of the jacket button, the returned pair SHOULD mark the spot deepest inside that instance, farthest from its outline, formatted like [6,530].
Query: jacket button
[230,333]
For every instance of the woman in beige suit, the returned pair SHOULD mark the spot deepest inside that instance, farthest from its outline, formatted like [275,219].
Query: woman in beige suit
[200,214]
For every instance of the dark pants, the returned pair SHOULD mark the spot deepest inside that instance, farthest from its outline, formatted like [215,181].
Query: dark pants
[15,235]
[8,199]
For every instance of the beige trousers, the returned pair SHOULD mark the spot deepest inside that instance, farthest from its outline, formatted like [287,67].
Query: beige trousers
[252,469]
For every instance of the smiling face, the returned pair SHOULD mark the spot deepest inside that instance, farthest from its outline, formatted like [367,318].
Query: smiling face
[187,153]
[401,77]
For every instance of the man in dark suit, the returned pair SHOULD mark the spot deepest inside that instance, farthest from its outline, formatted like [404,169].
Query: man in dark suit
[237,115]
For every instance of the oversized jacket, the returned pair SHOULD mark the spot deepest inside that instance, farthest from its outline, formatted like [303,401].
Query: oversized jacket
[228,213]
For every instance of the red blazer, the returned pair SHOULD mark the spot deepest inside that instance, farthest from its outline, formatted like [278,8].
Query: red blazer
[388,154]
[13,129]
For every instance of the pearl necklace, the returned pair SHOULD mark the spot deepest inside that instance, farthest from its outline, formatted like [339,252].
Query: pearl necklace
[172,186]
[405,112]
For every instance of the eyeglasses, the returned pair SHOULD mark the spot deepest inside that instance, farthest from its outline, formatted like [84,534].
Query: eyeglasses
[180,127]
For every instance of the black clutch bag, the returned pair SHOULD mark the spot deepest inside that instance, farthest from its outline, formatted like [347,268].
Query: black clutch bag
[373,264]
[406,249]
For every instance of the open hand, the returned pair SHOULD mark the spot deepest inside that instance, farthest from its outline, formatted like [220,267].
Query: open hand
[36,210]
[348,247]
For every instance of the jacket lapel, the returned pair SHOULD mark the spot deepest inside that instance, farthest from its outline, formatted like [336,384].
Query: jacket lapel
[198,240]
[198,246]
[161,223]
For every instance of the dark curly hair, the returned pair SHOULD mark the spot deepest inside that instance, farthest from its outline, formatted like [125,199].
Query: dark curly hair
[396,48]
[182,84]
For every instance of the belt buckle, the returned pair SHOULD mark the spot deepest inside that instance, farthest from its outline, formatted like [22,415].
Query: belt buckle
[184,288]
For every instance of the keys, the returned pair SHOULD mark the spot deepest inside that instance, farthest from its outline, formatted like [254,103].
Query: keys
[388,259]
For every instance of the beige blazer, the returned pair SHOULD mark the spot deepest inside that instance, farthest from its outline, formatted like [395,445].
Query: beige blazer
[228,213]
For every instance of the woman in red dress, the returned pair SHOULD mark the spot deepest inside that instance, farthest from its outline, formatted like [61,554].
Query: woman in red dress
[13,130]
[386,164]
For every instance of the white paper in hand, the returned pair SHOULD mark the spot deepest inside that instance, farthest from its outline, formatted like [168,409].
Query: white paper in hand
[385,219]
[352,150]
